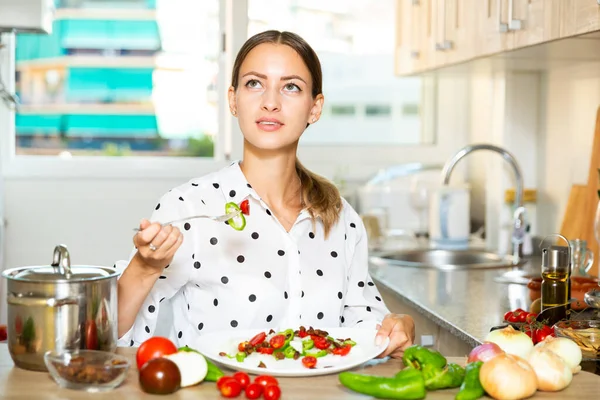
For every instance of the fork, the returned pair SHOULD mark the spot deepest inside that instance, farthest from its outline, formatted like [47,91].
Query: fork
[218,218]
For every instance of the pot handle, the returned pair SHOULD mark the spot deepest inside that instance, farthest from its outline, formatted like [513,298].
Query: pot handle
[16,300]
[61,260]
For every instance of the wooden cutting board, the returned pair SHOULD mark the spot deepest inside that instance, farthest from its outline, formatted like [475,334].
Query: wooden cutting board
[579,216]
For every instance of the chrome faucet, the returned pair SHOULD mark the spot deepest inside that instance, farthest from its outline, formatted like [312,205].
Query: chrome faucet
[518,234]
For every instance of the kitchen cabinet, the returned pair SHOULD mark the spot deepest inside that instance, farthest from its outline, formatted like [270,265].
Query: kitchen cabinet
[436,33]
[427,332]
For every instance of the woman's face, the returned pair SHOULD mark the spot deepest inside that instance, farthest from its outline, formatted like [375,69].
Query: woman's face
[273,100]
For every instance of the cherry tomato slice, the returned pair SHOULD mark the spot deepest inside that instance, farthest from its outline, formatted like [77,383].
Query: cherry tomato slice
[258,339]
[245,207]
[266,380]
[265,350]
[321,343]
[342,351]
[277,341]
[242,378]
[272,392]
[231,388]
[309,361]
[254,391]
[242,346]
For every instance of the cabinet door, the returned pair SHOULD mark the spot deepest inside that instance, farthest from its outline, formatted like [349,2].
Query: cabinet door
[527,21]
[409,57]
[491,27]
[578,17]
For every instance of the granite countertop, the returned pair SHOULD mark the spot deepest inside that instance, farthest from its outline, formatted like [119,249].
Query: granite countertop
[468,303]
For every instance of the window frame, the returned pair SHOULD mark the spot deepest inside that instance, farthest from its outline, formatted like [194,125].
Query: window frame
[233,17]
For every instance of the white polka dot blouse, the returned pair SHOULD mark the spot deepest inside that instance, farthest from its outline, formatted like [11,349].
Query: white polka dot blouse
[260,277]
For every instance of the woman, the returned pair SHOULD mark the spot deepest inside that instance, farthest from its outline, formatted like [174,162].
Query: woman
[302,257]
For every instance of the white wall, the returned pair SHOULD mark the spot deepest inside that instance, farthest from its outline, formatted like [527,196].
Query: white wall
[568,114]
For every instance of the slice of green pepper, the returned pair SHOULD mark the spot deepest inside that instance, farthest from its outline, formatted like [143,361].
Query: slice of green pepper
[238,222]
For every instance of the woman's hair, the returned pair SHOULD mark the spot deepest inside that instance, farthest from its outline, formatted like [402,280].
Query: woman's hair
[320,196]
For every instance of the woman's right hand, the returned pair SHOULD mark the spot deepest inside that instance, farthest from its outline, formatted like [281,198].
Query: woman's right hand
[156,245]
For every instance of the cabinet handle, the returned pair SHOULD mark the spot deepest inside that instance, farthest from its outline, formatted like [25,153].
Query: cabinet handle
[513,24]
[502,27]
[415,54]
[444,44]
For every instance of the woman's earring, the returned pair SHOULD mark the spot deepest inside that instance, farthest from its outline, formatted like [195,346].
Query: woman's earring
[314,120]
[233,112]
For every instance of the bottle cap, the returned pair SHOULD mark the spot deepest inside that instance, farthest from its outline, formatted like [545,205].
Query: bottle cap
[555,257]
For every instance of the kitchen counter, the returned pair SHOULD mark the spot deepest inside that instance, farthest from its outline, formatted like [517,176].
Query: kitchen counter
[17,383]
[467,303]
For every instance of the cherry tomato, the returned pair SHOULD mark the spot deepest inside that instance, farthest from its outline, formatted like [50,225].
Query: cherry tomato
[242,378]
[231,388]
[522,316]
[258,339]
[254,390]
[265,350]
[242,346]
[266,380]
[542,333]
[302,334]
[152,348]
[309,361]
[272,392]
[277,341]
[222,380]
[245,207]
[321,343]
[531,318]
[342,351]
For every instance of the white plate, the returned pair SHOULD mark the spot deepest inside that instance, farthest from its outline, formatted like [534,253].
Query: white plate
[210,345]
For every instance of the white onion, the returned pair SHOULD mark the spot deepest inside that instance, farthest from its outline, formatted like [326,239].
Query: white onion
[508,377]
[553,374]
[511,341]
[566,349]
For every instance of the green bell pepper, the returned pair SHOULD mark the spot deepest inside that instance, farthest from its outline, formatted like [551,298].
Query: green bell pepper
[307,344]
[471,388]
[451,376]
[419,357]
[240,356]
[408,384]
[289,352]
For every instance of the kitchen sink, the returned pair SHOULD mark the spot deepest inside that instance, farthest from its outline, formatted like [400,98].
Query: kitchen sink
[444,259]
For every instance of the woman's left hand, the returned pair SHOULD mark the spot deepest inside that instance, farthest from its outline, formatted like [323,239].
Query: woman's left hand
[400,328]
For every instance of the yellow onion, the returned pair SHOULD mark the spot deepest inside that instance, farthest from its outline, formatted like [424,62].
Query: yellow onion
[511,341]
[508,377]
[566,349]
[553,374]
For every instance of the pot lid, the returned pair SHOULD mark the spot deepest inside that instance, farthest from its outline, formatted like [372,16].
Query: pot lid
[51,273]
[60,270]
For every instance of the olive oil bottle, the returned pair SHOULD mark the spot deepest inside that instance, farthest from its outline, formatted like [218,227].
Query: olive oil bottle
[556,283]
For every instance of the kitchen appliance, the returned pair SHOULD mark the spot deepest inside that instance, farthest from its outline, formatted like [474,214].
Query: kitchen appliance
[60,307]
[449,217]
[399,196]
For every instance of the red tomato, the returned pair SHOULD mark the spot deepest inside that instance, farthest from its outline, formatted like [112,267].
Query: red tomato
[242,378]
[542,333]
[242,346]
[342,351]
[222,380]
[266,380]
[153,348]
[258,339]
[277,341]
[272,392]
[265,350]
[309,361]
[522,316]
[321,343]
[91,335]
[513,316]
[245,207]
[302,334]
[231,388]
[253,391]
[531,318]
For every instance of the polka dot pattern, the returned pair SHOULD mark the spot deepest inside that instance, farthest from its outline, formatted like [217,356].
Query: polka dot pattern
[254,278]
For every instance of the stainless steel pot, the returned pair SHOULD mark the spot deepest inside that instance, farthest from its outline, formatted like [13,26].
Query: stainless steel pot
[60,307]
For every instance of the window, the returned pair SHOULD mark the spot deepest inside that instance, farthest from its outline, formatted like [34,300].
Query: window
[118,78]
[354,39]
